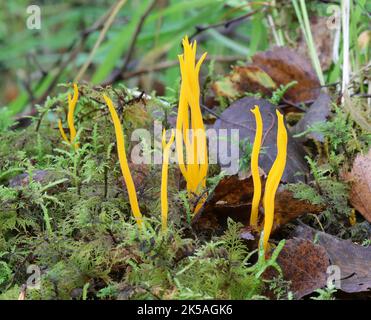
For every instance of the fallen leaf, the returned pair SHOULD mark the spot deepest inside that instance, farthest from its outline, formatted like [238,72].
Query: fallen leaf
[23,179]
[244,79]
[353,260]
[232,198]
[318,112]
[238,116]
[284,65]
[304,264]
[360,179]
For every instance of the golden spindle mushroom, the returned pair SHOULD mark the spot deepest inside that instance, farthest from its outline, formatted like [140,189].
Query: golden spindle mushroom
[164,178]
[194,166]
[71,110]
[274,178]
[255,167]
[70,118]
[124,163]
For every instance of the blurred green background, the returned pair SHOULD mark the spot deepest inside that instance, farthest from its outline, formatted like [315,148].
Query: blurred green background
[144,35]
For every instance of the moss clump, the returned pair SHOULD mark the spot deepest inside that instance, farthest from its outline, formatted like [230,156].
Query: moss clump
[66,212]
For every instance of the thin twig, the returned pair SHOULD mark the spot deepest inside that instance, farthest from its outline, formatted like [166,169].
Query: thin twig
[136,34]
[225,24]
[102,34]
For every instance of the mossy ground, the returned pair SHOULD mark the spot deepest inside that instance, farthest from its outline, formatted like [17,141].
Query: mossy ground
[73,219]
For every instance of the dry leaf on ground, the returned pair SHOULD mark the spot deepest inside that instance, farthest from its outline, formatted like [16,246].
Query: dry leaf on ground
[284,65]
[239,117]
[360,179]
[232,198]
[304,264]
[353,260]
[318,112]
[244,79]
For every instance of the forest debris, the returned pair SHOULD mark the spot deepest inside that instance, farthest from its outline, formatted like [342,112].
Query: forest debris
[284,65]
[304,264]
[318,112]
[22,293]
[232,198]
[51,181]
[244,79]
[238,116]
[323,40]
[353,260]
[23,179]
[360,178]
[358,111]
[364,40]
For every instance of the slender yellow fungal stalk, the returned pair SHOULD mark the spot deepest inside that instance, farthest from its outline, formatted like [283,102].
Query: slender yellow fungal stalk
[190,130]
[274,178]
[61,130]
[255,167]
[124,163]
[71,110]
[165,164]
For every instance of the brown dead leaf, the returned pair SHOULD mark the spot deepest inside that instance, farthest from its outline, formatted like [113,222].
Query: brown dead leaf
[304,264]
[232,198]
[318,112]
[353,260]
[284,65]
[244,79]
[360,179]
[239,117]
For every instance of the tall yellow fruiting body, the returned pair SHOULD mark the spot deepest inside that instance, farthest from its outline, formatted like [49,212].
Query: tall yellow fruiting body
[124,163]
[274,178]
[164,178]
[255,167]
[70,117]
[190,130]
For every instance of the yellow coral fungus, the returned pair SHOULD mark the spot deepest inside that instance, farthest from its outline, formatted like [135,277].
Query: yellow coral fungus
[71,110]
[255,167]
[124,163]
[352,217]
[165,164]
[190,130]
[274,178]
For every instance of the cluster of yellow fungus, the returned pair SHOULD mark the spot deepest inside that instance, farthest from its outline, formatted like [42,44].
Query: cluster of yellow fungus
[124,163]
[70,120]
[190,130]
[274,176]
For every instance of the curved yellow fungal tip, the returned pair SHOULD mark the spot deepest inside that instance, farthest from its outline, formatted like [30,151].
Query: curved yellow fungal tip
[61,130]
[71,110]
[255,167]
[164,177]
[124,163]
[190,130]
[274,178]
